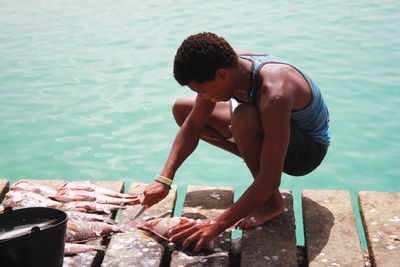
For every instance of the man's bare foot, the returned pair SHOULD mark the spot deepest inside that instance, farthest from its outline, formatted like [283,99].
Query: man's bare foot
[269,210]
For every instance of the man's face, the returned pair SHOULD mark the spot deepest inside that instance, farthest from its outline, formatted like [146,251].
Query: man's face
[215,90]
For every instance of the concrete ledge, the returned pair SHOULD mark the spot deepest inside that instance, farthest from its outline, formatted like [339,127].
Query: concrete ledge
[380,213]
[274,242]
[206,202]
[139,248]
[331,235]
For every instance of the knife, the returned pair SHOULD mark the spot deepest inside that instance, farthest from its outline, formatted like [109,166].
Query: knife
[140,212]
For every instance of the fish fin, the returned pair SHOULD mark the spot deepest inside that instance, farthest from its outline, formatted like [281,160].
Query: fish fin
[131,196]
[133,201]
[135,224]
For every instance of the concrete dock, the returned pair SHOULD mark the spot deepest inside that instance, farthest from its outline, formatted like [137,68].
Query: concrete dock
[331,236]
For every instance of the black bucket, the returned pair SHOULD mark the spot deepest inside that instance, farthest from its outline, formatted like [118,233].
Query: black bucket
[31,237]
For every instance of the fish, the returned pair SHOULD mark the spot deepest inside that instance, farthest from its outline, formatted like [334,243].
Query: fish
[82,231]
[73,248]
[89,217]
[29,199]
[25,185]
[69,195]
[161,226]
[91,187]
[91,207]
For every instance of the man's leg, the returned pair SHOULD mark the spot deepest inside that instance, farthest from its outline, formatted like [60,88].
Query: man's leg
[217,127]
[248,133]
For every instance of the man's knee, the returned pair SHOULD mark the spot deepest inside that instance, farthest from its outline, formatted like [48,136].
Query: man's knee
[245,122]
[181,109]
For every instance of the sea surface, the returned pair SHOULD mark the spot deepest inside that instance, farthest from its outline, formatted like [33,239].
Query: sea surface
[86,88]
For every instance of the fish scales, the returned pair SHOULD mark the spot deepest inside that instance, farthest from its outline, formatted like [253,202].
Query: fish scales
[86,206]
[90,217]
[25,185]
[91,187]
[29,199]
[69,195]
[79,231]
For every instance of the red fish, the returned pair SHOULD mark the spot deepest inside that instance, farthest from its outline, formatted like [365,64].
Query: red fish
[69,195]
[86,206]
[82,231]
[161,226]
[89,217]
[29,199]
[91,187]
[25,185]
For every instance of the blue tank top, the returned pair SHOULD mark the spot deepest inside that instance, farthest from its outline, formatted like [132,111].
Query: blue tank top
[313,119]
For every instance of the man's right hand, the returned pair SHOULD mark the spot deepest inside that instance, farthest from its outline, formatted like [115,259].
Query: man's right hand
[154,193]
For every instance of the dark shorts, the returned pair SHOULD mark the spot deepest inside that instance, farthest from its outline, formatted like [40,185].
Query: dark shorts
[303,154]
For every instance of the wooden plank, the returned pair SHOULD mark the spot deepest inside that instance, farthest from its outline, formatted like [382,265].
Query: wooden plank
[94,258]
[4,186]
[380,213]
[274,242]
[206,202]
[139,248]
[331,236]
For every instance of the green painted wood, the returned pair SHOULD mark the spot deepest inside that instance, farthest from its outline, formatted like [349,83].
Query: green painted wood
[380,213]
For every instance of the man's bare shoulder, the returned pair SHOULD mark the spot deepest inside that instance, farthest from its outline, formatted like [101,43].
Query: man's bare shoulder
[277,78]
[284,82]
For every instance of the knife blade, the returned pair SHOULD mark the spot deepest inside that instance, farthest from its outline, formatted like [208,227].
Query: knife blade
[140,212]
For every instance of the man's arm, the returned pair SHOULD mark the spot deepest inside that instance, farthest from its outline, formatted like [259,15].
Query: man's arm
[186,141]
[275,108]
[275,118]
[188,136]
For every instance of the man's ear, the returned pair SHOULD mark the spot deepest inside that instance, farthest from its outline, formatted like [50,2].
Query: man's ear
[222,73]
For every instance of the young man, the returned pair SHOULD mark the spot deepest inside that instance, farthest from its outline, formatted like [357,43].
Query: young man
[253,105]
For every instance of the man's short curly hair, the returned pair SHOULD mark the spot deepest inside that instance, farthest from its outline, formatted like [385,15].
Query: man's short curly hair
[200,56]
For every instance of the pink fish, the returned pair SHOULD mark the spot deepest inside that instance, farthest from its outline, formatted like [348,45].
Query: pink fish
[82,231]
[69,195]
[86,206]
[29,199]
[89,217]
[25,185]
[91,187]
[161,226]
[73,249]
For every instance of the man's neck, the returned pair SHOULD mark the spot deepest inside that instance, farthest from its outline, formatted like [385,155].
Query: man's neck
[242,79]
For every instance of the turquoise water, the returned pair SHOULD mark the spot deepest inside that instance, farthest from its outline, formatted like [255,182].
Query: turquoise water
[86,87]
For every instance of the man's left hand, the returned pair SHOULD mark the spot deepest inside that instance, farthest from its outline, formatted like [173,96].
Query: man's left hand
[201,231]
